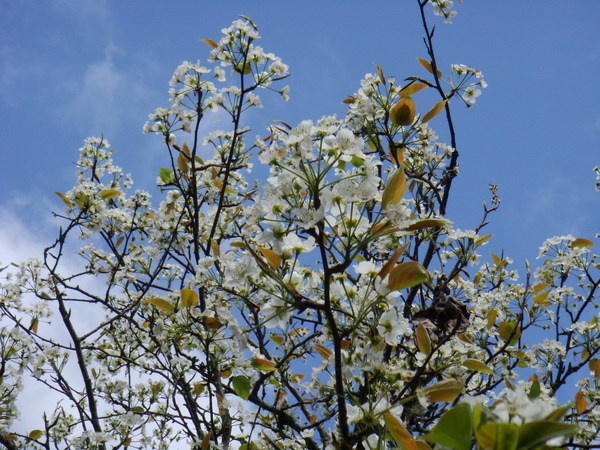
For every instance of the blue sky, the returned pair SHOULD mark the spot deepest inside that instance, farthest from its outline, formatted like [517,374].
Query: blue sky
[73,69]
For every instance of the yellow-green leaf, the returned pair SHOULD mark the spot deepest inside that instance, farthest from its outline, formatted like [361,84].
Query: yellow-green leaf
[189,297]
[161,303]
[443,391]
[279,340]
[423,339]
[403,112]
[263,364]
[539,287]
[479,366]
[109,193]
[412,88]
[427,65]
[434,111]
[399,433]
[394,190]
[36,434]
[65,199]
[541,299]
[406,274]
[481,239]
[210,43]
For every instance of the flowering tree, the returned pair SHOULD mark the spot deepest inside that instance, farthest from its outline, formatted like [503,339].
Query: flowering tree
[331,306]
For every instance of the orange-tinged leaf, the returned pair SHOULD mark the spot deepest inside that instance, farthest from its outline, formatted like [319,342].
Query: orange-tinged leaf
[437,108]
[381,229]
[479,366]
[349,100]
[210,43]
[323,351]
[189,297]
[481,239]
[491,317]
[406,274]
[120,240]
[216,249]
[427,223]
[33,326]
[427,65]
[508,330]
[594,366]
[109,193]
[345,344]
[412,88]
[273,258]
[399,433]
[394,190]
[443,391]
[313,418]
[161,303]
[580,402]
[65,199]
[263,364]
[297,377]
[388,266]
[213,323]
[403,112]
[182,163]
[380,73]
[582,243]
[423,339]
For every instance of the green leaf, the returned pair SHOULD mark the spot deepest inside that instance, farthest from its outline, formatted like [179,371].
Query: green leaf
[534,390]
[443,391]
[454,429]
[241,386]
[161,303]
[189,297]
[479,366]
[166,175]
[400,434]
[533,433]
[406,274]
[497,436]
[394,190]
